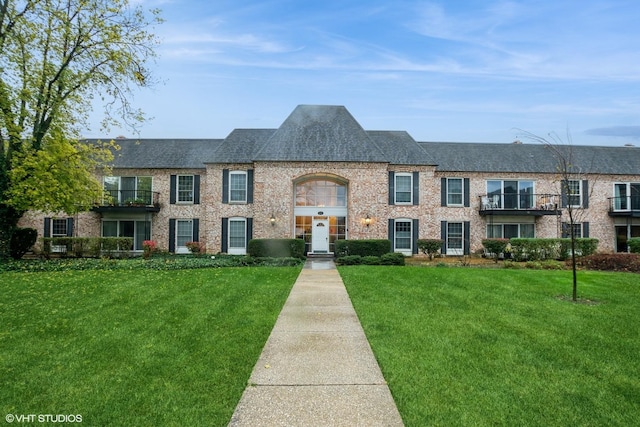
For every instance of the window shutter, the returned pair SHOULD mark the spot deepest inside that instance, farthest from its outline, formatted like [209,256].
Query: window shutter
[585,229]
[466,189]
[391,233]
[69,227]
[414,237]
[196,230]
[467,237]
[172,235]
[563,195]
[249,231]
[585,193]
[416,188]
[250,186]
[196,189]
[173,188]
[443,236]
[225,235]
[225,185]
[392,188]
[443,191]
[565,230]
[47,227]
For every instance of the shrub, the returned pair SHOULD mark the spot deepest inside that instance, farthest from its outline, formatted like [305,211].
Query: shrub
[22,240]
[349,260]
[195,247]
[371,260]
[612,262]
[368,247]
[392,259]
[495,247]
[430,247]
[634,245]
[276,248]
[148,248]
[87,246]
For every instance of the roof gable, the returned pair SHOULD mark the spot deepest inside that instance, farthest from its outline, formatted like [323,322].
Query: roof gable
[320,133]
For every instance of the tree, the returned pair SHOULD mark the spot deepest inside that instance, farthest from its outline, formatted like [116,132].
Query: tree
[570,170]
[55,57]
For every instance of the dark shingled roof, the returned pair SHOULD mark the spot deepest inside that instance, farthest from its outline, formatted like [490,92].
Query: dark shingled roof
[164,153]
[320,133]
[240,146]
[317,133]
[400,148]
[531,158]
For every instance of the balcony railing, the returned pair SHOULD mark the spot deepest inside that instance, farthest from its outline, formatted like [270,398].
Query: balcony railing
[519,204]
[128,200]
[624,206]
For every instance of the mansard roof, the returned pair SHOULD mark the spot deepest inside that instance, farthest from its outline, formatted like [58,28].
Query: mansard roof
[163,153]
[532,158]
[325,133]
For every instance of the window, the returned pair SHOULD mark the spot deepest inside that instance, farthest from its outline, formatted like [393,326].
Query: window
[139,231]
[510,194]
[627,196]
[58,227]
[321,193]
[455,238]
[454,192]
[128,189]
[508,231]
[237,236]
[402,239]
[185,189]
[237,187]
[574,193]
[184,234]
[403,188]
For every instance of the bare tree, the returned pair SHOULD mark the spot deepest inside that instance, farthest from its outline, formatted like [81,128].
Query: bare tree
[572,171]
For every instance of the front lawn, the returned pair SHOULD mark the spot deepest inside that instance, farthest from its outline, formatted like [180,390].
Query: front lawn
[472,346]
[144,348]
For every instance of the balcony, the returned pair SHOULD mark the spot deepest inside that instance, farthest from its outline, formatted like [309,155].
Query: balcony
[625,206]
[519,204]
[131,201]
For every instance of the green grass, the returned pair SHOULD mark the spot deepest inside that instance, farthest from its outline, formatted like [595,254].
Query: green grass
[498,347]
[144,348]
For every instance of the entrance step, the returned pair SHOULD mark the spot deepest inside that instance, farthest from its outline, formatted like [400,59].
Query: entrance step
[320,255]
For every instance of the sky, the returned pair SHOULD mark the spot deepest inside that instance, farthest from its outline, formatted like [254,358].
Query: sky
[460,71]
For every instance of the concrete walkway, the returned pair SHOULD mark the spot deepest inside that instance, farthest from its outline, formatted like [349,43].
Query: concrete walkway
[317,368]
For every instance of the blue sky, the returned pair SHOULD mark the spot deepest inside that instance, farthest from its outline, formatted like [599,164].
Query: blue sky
[467,71]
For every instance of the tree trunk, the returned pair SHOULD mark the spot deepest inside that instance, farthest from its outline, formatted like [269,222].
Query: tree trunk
[9,218]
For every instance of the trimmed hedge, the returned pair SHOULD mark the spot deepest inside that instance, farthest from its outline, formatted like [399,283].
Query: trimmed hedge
[634,245]
[276,248]
[82,247]
[495,247]
[365,247]
[386,259]
[22,240]
[525,249]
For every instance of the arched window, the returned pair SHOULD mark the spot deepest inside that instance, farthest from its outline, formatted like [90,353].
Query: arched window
[321,192]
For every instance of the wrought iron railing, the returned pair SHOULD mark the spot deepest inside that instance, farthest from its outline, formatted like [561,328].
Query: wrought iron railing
[131,198]
[624,203]
[519,201]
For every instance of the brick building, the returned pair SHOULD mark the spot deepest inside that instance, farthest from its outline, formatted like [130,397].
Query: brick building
[321,177]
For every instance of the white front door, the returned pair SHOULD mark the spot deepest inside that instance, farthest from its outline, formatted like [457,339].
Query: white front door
[320,236]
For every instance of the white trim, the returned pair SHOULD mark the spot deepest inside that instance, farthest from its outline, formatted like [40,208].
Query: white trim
[246,189]
[405,251]
[237,250]
[395,188]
